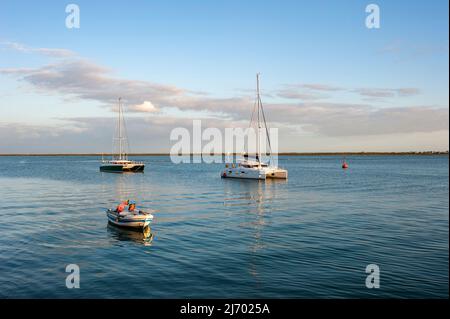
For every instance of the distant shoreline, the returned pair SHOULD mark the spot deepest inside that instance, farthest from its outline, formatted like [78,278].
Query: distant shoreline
[424,153]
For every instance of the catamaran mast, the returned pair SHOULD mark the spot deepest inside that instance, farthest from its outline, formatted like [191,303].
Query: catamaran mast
[120,129]
[258,138]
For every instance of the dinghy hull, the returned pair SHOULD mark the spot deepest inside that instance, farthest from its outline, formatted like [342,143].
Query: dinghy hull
[141,220]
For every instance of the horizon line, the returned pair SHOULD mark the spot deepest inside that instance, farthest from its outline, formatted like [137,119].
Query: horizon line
[237,154]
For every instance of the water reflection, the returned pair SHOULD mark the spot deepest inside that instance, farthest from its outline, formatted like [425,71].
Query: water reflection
[251,194]
[120,187]
[255,199]
[142,236]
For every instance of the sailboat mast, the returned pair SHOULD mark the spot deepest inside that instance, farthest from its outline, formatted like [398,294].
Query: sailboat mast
[120,129]
[258,138]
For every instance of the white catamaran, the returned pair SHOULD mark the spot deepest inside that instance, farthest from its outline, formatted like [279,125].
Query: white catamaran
[255,168]
[119,162]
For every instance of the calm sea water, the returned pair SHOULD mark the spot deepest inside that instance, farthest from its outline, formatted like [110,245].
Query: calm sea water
[309,237]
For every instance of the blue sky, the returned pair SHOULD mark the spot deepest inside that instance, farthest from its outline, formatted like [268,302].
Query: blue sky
[317,59]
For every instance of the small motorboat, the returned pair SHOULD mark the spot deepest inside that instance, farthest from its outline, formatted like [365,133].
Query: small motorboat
[134,219]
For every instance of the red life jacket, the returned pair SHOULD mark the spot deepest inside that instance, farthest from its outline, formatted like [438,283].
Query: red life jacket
[121,207]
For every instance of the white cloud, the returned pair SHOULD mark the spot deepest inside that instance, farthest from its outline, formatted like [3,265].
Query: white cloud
[146,107]
[379,93]
[321,87]
[52,52]
[85,80]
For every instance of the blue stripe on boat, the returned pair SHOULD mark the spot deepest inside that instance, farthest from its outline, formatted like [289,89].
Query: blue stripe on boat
[127,221]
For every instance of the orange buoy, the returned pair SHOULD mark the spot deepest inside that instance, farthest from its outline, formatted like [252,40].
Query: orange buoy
[344,165]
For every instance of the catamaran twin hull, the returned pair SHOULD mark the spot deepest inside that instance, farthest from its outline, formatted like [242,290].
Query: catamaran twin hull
[254,173]
[120,162]
[255,169]
[122,167]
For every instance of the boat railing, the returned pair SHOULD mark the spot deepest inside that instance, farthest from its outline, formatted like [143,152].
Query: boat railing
[121,161]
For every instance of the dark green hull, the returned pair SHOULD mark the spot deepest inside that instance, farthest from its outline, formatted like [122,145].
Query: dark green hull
[121,169]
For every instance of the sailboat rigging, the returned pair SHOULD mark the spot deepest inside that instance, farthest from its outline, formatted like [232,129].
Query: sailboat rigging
[255,168]
[120,162]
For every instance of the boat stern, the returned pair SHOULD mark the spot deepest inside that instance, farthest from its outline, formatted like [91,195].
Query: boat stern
[277,173]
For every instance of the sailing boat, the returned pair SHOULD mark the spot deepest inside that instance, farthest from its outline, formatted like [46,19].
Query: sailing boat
[254,168]
[119,162]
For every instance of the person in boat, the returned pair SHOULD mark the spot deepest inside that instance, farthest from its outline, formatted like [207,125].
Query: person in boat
[121,207]
[132,208]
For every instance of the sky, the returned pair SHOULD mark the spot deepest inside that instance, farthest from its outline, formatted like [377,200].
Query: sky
[329,83]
